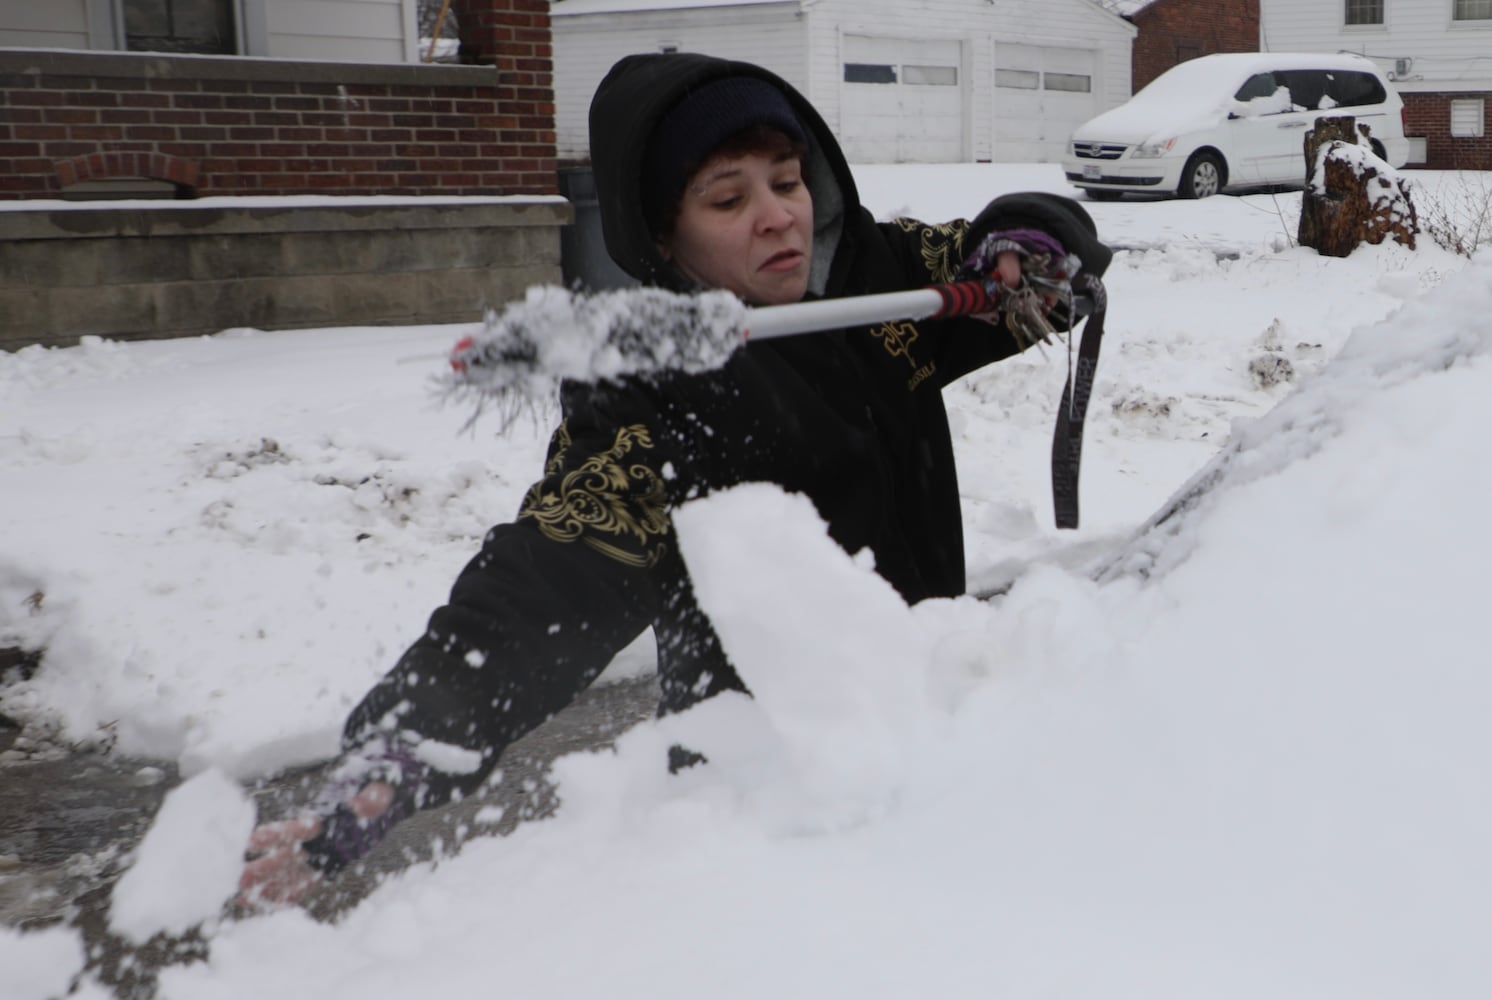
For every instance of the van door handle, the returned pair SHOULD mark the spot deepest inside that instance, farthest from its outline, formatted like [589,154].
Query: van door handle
[1291,125]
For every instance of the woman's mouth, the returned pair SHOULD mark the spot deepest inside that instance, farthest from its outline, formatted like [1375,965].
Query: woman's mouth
[784,260]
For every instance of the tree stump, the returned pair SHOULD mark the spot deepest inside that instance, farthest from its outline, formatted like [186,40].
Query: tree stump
[1351,196]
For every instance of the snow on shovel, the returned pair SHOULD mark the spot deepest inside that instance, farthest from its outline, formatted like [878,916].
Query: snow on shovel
[523,352]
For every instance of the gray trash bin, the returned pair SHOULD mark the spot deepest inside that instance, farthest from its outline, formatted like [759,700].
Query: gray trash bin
[584,261]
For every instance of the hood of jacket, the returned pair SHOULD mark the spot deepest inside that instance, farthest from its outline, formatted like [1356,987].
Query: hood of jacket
[636,93]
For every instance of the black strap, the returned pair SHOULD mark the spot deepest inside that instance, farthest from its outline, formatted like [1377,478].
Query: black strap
[1067,437]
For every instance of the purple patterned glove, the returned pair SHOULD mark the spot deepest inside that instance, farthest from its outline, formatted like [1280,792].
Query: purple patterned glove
[1028,243]
[1046,280]
[346,837]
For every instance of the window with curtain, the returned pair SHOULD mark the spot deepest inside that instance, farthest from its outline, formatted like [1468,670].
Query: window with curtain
[199,26]
[1364,11]
[1473,10]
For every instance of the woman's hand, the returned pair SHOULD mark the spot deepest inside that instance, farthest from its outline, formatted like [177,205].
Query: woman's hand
[278,870]
[1008,268]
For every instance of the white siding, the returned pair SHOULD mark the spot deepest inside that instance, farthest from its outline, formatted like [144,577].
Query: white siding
[57,24]
[1034,122]
[375,31]
[1443,54]
[586,47]
[898,119]
[805,43]
[979,23]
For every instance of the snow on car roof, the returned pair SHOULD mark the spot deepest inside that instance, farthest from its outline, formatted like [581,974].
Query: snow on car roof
[1204,78]
[1234,64]
[1188,94]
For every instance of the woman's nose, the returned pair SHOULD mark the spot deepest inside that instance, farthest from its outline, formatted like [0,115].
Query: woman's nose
[774,214]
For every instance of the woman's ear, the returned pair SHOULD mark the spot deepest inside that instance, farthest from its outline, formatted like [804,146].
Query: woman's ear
[663,250]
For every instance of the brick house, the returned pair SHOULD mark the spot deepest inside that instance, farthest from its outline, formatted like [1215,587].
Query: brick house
[1436,52]
[446,175]
[166,107]
[1173,31]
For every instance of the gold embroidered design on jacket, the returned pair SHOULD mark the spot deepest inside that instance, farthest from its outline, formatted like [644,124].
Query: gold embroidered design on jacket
[942,246]
[617,509]
[897,339]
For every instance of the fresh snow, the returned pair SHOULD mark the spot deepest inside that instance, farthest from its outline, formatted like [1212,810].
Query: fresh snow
[194,845]
[1240,752]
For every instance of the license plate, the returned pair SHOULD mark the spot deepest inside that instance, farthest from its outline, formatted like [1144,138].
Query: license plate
[1092,172]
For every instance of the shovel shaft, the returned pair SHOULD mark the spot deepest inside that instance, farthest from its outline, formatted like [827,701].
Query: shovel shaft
[961,298]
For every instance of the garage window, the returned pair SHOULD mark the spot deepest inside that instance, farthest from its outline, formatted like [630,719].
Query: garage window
[1473,10]
[869,73]
[935,76]
[1072,83]
[1018,79]
[1468,118]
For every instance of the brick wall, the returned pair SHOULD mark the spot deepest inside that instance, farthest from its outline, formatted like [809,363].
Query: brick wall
[1172,31]
[228,126]
[512,35]
[1429,116]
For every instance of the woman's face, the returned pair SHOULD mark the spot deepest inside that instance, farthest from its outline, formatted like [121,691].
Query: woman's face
[745,224]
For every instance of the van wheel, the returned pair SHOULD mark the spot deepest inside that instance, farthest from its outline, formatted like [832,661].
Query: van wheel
[1202,177]
[1378,150]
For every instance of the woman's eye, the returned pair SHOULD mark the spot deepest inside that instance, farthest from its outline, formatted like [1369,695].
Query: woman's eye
[724,204]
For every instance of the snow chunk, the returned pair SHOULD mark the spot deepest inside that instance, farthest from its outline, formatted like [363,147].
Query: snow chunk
[41,964]
[447,757]
[189,862]
[840,686]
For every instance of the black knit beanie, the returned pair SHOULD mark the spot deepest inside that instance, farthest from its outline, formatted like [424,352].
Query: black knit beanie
[696,126]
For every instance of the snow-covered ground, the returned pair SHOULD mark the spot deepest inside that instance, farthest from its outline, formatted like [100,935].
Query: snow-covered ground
[1253,760]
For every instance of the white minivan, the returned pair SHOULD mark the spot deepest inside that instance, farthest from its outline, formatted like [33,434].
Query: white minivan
[1231,121]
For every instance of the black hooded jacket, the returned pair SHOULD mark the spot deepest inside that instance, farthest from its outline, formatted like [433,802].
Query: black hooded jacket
[853,419]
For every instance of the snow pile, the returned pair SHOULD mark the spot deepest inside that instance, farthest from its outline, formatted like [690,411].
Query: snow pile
[1387,190]
[839,699]
[1268,760]
[1251,761]
[231,538]
[187,866]
[40,964]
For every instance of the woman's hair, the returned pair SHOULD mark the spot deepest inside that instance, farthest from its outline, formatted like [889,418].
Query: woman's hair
[754,140]
[711,117]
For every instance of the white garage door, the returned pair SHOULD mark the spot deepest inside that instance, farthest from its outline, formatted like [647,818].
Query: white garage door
[1041,94]
[902,100]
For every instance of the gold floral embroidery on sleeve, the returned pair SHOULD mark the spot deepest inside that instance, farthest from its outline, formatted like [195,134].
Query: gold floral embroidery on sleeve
[616,508]
[942,246]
